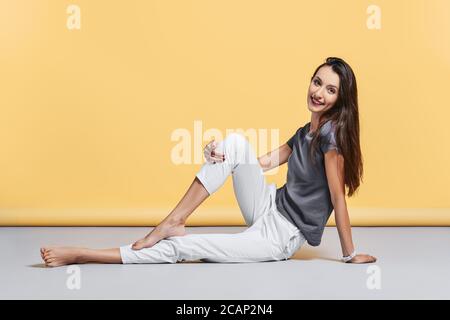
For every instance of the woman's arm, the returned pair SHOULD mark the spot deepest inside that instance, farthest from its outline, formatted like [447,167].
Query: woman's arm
[334,166]
[275,157]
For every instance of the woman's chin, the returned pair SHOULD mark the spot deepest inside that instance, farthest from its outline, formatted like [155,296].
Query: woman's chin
[315,109]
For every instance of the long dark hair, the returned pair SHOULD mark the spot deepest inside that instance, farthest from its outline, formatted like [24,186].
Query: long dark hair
[345,116]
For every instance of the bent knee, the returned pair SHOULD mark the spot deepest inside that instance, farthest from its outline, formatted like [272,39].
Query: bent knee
[237,140]
[237,149]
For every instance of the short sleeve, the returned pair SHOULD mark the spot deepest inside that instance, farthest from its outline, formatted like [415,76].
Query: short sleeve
[292,140]
[328,139]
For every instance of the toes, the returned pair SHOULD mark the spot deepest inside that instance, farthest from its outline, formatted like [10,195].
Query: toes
[55,263]
[137,245]
[47,262]
[47,258]
[49,253]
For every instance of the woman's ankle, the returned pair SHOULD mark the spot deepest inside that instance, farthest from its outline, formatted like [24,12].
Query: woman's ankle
[176,221]
[84,255]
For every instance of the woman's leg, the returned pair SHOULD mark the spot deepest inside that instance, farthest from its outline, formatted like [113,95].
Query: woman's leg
[250,188]
[253,245]
[256,244]
[264,241]
[173,224]
[249,183]
[60,256]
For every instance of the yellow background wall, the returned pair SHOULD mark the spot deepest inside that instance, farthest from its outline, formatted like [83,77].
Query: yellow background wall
[86,116]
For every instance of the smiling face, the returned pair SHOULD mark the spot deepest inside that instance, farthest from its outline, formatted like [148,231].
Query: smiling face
[323,90]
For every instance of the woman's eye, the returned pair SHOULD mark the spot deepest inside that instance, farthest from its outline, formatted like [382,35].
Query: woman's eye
[332,91]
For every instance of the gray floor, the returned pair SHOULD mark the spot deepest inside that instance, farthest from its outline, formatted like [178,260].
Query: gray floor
[414,263]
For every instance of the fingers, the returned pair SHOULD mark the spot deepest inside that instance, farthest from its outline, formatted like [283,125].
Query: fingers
[369,259]
[211,155]
[211,150]
[214,159]
[210,147]
[363,258]
[217,156]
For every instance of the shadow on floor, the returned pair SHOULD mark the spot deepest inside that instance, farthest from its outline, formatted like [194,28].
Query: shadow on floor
[37,265]
[306,254]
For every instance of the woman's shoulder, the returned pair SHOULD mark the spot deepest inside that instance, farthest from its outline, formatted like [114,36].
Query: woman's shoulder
[328,128]
[303,128]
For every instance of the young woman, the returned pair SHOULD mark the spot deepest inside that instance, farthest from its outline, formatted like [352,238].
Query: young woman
[323,157]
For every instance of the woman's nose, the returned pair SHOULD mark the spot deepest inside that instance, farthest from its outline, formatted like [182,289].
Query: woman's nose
[318,95]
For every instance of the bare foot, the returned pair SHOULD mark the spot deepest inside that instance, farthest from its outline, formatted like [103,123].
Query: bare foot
[42,253]
[60,256]
[164,230]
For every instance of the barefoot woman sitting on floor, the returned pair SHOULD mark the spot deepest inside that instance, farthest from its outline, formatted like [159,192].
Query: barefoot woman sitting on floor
[323,158]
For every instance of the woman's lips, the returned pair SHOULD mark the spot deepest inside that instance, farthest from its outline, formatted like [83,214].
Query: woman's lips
[316,102]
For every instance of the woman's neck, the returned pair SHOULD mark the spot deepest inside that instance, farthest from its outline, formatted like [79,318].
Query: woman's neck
[314,122]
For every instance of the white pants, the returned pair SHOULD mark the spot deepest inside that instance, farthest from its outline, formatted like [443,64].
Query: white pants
[270,236]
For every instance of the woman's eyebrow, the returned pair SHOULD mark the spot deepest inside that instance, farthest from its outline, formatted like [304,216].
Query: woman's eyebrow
[329,85]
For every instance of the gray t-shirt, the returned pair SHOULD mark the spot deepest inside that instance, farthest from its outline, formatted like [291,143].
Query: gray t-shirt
[305,197]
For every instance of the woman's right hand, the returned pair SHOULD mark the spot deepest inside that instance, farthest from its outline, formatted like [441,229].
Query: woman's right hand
[210,155]
[363,258]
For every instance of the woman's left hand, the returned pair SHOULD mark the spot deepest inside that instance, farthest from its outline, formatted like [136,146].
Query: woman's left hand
[363,258]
